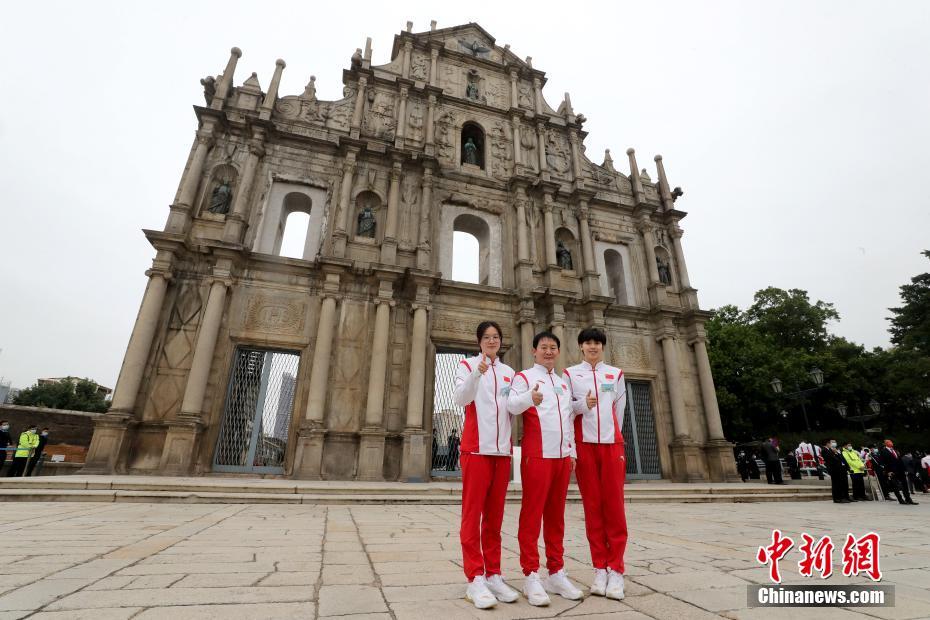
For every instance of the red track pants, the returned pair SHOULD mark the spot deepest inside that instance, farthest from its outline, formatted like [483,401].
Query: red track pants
[484,489]
[600,473]
[545,485]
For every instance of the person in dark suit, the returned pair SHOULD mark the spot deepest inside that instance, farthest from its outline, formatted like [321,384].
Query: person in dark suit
[838,469]
[793,468]
[895,472]
[772,464]
[5,441]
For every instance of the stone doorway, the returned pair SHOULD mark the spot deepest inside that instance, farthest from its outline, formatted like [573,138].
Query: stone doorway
[257,414]
[639,433]
[448,417]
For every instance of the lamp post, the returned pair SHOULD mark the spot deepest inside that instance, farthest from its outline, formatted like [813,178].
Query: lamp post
[874,405]
[784,416]
[817,376]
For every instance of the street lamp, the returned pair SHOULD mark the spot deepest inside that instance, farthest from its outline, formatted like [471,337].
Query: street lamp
[784,416]
[874,406]
[842,409]
[776,385]
[817,376]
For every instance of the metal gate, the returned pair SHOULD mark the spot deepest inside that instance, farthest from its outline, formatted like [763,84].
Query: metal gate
[639,433]
[447,416]
[257,413]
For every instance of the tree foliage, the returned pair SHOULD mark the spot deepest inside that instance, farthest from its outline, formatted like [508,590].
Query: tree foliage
[73,394]
[910,325]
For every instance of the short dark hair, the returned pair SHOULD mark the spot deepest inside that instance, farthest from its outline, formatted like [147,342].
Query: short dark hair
[483,327]
[592,333]
[546,334]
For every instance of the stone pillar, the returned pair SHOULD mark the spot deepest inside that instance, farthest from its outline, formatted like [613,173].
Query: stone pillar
[541,146]
[523,250]
[343,222]
[184,432]
[238,216]
[591,283]
[408,49]
[389,242]
[576,156]
[537,95]
[272,94]
[426,206]
[371,449]
[517,147]
[430,129]
[222,89]
[110,442]
[433,64]
[549,230]
[414,457]
[664,194]
[708,393]
[401,118]
[514,90]
[675,233]
[356,123]
[527,322]
[687,459]
[638,194]
[182,209]
[308,457]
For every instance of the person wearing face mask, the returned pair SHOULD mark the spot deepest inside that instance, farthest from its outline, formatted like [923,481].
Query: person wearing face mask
[5,441]
[43,440]
[482,386]
[28,441]
[857,472]
[895,472]
[838,469]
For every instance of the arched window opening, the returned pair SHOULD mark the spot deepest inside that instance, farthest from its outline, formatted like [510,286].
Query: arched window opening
[471,258]
[566,250]
[615,280]
[472,148]
[368,218]
[293,233]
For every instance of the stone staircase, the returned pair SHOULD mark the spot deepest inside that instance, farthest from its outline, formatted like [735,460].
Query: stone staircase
[240,490]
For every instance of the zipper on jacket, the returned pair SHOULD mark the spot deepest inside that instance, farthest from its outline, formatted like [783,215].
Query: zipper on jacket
[497,413]
[558,404]
[597,400]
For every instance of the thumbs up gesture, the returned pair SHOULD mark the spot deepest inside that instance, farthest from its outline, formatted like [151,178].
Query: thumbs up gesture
[483,364]
[590,400]
[537,395]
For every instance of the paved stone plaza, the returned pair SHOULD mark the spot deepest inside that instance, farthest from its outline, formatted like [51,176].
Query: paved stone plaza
[146,561]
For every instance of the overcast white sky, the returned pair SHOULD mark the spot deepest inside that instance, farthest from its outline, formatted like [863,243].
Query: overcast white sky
[799,131]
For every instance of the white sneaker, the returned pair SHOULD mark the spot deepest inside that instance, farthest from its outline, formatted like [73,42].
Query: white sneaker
[500,590]
[615,586]
[599,587]
[558,583]
[479,594]
[534,591]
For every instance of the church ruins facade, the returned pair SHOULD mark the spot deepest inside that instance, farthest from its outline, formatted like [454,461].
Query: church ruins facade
[324,366]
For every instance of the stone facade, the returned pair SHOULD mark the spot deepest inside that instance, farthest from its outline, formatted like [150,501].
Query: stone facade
[452,135]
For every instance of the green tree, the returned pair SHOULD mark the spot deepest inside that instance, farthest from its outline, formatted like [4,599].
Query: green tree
[73,394]
[790,319]
[910,325]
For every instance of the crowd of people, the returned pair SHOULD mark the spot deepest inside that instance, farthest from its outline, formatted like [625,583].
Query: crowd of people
[26,453]
[572,421]
[885,469]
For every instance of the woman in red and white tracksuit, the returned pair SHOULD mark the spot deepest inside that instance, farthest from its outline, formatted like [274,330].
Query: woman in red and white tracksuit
[482,386]
[543,397]
[599,399]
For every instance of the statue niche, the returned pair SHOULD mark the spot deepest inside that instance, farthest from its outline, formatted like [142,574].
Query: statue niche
[472,151]
[367,207]
[218,199]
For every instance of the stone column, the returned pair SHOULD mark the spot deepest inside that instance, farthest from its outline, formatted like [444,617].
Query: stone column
[110,442]
[308,458]
[708,393]
[687,459]
[182,438]
[426,205]
[401,118]
[541,145]
[523,250]
[517,146]
[414,456]
[549,230]
[649,240]
[675,232]
[514,90]
[272,94]
[371,452]
[537,95]
[356,123]
[430,116]
[236,220]
[408,49]
[638,193]
[433,63]
[576,155]
[222,89]
[389,242]
[182,209]
[591,283]
[343,222]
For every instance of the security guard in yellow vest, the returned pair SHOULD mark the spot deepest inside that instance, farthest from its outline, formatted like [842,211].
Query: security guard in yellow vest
[28,441]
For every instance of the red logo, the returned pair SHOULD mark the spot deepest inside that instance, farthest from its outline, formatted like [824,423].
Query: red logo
[861,556]
[819,556]
[506,379]
[773,553]
[609,376]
